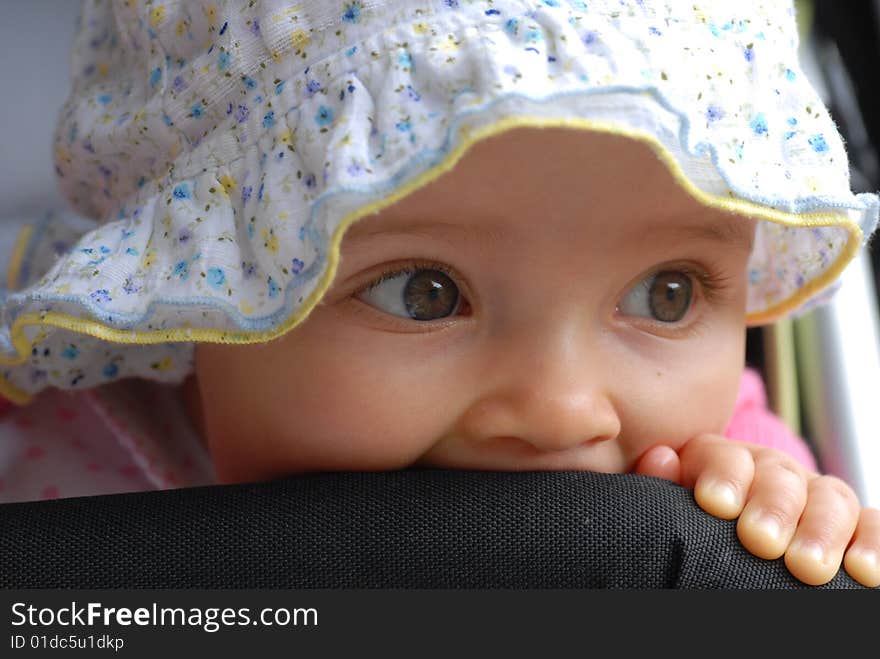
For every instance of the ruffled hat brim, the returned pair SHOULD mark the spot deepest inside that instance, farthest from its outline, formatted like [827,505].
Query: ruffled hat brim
[257,152]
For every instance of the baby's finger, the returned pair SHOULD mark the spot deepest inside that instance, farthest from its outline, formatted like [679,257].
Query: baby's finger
[720,471]
[660,462]
[862,559]
[776,501]
[824,530]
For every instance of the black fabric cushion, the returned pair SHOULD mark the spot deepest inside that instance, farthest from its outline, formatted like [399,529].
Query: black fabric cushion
[407,529]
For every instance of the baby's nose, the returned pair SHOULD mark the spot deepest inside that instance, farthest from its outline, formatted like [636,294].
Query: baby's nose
[548,394]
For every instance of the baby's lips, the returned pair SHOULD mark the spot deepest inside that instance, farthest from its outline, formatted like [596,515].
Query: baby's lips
[5,406]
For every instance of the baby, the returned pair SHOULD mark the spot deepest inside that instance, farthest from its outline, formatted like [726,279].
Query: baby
[495,235]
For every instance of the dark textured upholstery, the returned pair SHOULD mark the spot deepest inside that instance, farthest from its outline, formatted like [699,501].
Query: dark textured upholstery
[410,529]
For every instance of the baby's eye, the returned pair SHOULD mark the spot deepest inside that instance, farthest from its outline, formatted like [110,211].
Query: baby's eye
[418,294]
[665,296]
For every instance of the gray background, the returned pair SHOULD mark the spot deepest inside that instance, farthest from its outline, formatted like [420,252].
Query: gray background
[35,42]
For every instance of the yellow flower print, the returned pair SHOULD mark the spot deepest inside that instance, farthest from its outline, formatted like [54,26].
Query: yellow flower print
[164,364]
[211,15]
[246,308]
[298,39]
[62,155]
[270,241]
[420,28]
[149,258]
[228,184]
[157,14]
[449,45]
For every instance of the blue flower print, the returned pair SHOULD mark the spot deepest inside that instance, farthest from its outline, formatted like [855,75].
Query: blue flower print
[405,60]
[155,76]
[128,287]
[101,295]
[246,192]
[249,270]
[216,277]
[452,4]
[131,251]
[242,113]
[413,94]
[274,289]
[352,13]
[759,124]
[313,87]
[184,235]
[325,116]
[296,266]
[249,82]
[111,370]
[181,269]
[269,119]
[104,99]
[224,59]
[818,143]
[749,53]
[279,87]
[178,84]
[790,75]
[714,113]
[70,352]
[534,35]
[197,110]
[181,191]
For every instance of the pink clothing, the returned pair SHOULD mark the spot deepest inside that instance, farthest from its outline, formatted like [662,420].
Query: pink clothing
[753,422]
[134,435]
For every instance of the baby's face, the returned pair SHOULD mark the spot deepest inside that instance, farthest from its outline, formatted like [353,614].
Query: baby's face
[555,302]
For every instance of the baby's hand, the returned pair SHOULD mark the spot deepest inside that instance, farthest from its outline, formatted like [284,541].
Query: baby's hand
[783,508]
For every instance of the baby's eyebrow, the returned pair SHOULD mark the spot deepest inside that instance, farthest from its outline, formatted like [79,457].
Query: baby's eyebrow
[431,229]
[735,233]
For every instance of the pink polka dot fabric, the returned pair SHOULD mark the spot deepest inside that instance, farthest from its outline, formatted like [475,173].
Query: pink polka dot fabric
[129,437]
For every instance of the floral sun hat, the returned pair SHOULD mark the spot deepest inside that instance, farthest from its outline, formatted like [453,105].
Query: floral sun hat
[223,146]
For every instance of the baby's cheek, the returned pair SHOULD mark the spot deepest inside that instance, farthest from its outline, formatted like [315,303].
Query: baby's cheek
[677,407]
[351,415]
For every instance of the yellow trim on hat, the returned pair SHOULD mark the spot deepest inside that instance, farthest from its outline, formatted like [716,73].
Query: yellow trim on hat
[18,250]
[468,138]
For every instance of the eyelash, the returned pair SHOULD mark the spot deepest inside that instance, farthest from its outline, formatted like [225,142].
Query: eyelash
[413,266]
[711,284]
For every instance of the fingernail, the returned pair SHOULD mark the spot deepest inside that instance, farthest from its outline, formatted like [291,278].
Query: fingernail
[809,549]
[723,494]
[868,557]
[767,525]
